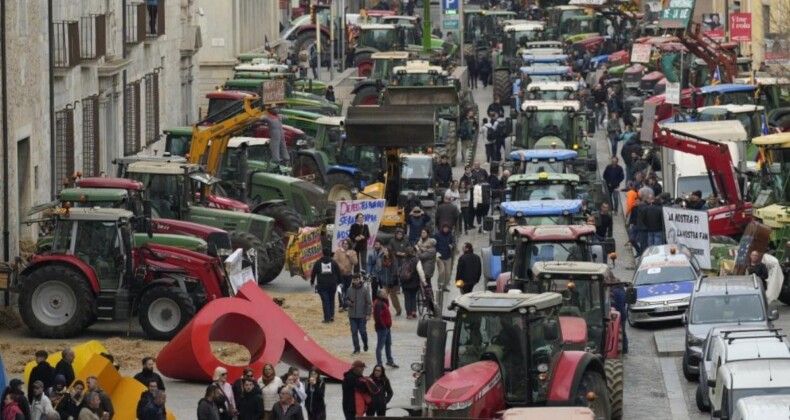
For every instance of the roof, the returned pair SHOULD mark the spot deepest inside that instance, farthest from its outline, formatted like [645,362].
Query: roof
[179,131]
[506,302]
[570,268]
[490,12]
[546,413]
[236,142]
[536,155]
[271,67]
[728,284]
[95,213]
[551,85]
[376,26]
[550,105]
[727,88]
[545,70]
[525,26]
[779,140]
[543,176]
[92,194]
[766,407]
[717,131]
[102,182]
[154,167]
[733,108]
[766,81]
[419,67]
[391,55]
[758,373]
[541,208]
[660,255]
[554,232]
[568,7]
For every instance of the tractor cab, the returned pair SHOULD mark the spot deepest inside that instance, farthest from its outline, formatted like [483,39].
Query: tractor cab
[752,117]
[546,73]
[385,62]
[481,27]
[419,73]
[773,200]
[517,36]
[379,37]
[547,125]
[553,91]
[558,18]
[723,94]
[542,186]
[416,178]
[536,161]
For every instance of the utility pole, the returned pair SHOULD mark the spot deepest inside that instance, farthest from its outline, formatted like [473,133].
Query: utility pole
[331,40]
[318,45]
[426,26]
[461,32]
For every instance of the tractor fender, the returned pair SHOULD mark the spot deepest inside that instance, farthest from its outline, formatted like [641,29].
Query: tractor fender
[260,206]
[776,115]
[311,28]
[350,170]
[363,84]
[66,260]
[568,373]
[486,253]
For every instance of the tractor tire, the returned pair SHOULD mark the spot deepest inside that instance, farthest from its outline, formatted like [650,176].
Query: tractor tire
[368,95]
[251,245]
[593,382]
[687,373]
[164,311]
[276,260]
[502,86]
[286,220]
[56,301]
[306,39]
[452,143]
[338,187]
[614,384]
[701,406]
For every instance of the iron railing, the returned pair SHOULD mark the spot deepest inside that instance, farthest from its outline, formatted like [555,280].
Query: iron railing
[90,135]
[67,44]
[152,107]
[131,129]
[93,36]
[135,23]
[64,146]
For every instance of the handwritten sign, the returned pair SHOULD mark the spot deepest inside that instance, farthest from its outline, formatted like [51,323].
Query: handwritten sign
[640,53]
[310,249]
[346,213]
[677,14]
[673,93]
[690,228]
[274,91]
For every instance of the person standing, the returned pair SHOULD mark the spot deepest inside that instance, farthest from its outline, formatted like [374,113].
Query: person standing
[467,133]
[64,366]
[388,280]
[613,131]
[251,402]
[294,380]
[330,93]
[314,403]
[352,382]
[270,385]
[599,96]
[359,233]
[469,269]
[379,401]
[276,138]
[238,385]
[314,60]
[153,9]
[155,409]
[481,197]
[106,403]
[758,268]
[40,405]
[619,302]
[287,408]
[604,223]
[359,308]
[147,374]
[613,176]
[374,266]
[484,70]
[346,259]
[145,397]
[409,282]
[444,247]
[443,174]
[426,252]
[417,220]
[206,409]
[43,372]
[471,65]
[447,213]
[654,222]
[383,324]
[224,400]
[467,215]
[11,409]
[325,277]
[90,410]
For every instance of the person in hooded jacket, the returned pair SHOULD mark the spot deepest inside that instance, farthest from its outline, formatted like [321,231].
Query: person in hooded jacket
[352,382]
[315,404]
[11,409]
[325,277]
[251,402]
[43,372]
[426,252]
[15,387]
[445,245]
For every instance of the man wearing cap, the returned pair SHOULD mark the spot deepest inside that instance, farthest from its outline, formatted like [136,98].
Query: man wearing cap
[383,324]
[276,138]
[352,382]
[40,405]
[43,372]
[417,220]
[695,201]
[443,173]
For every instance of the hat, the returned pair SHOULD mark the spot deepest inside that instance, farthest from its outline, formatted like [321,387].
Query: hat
[15,383]
[358,364]
[399,230]
[416,209]
[38,384]
[697,193]
[59,380]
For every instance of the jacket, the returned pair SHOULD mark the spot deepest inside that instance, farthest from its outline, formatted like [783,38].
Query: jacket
[293,412]
[87,414]
[12,412]
[356,230]
[447,214]
[145,377]
[603,225]
[381,315]
[326,274]
[427,255]
[630,201]
[653,218]
[351,383]
[630,146]
[314,403]
[346,260]
[64,368]
[40,407]
[251,406]
[613,176]
[207,410]
[443,174]
[153,412]
[43,372]
[444,244]
[412,282]
[358,298]
[416,224]
[469,268]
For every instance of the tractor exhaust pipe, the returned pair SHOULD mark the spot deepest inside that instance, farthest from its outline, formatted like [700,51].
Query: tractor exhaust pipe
[434,351]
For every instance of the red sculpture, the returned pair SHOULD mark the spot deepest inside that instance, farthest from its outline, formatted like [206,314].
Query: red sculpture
[254,321]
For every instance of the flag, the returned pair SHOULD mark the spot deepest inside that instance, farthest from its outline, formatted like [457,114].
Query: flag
[764,126]
[716,77]
[753,81]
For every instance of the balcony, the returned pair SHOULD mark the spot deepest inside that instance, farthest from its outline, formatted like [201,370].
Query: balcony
[158,28]
[93,37]
[67,44]
[135,23]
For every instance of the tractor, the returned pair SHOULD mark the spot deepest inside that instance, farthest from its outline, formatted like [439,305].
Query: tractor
[535,161]
[507,61]
[95,271]
[379,37]
[508,349]
[555,124]
[368,90]
[234,90]
[483,29]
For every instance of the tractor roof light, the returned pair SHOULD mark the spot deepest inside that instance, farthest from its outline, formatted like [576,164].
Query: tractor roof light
[543,175]
[522,311]
[532,310]
[575,146]
[591,396]
[519,214]
[673,250]
[83,198]
[554,145]
[566,213]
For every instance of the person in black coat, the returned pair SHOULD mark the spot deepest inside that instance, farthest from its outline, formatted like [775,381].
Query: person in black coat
[43,372]
[758,268]
[613,176]
[471,65]
[443,174]
[469,268]
[325,277]
[64,366]
[495,107]
[359,234]
[351,383]
[147,375]
[314,403]
[604,223]
[251,402]
[146,397]
[238,386]
[378,403]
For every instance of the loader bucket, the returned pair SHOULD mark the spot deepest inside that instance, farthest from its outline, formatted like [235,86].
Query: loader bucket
[421,95]
[391,126]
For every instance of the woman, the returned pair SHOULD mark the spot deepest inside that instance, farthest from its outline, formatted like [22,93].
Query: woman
[389,279]
[426,252]
[359,235]
[316,407]
[378,404]
[287,408]
[71,403]
[467,215]
[293,380]
[207,409]
[225,402]
[409,282]
[270,383]
[346,259]
[11,410]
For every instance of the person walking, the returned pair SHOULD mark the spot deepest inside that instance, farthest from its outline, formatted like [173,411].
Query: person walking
[417,220]
[374,266]
[330,94]
[352,382]
[383,323]
[359,234]
[43,372]
[445,245]
[388,280]
[251,402]
[270,385]
[604,223]
[467,215]
[293,379]
[426,252]
[276,137]
[206,409]
[147,374]
[379,401]
[443,174]
[654,222]
[314,60]
[484,70]
[447,213]
[599,98]
[469,269]
[287,408]
[467,134]
[490,137]
[481,196]
[471,66]
[73,400]
[614,131]
[613,176]
[224,400]
[64,366]
[153,11]
[14,388]
[314,403]
[155,409]
[359,308]
[620,305]
[346,259]
[325,277]
[304,63]
[409,282]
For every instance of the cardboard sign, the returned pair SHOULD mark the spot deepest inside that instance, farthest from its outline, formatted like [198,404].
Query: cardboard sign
[673,93]
[237,274]
[741,27]
[310,249]
[274,91]
[640,53]
[690,228]
[648,122]
[345,215]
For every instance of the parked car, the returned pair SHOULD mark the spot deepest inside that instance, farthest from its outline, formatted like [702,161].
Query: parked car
[762,408]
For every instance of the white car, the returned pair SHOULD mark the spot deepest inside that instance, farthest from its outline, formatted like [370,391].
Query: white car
[763,407]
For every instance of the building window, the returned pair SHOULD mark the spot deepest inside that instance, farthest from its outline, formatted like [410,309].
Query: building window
[67,44]
[64,146]
[135,23]
[93,36]
[151,107]
[131,109]
[90,136]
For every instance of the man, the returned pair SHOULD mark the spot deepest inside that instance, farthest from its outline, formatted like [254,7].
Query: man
[444,247]
[495,107]
[146,397]
[330,94]
[40,405]
[374,266]
[105,404]
[469,269]
[325,277]
[398,245]
[147,375]
[447,213]
[467,134]
[758,268]
[155,409]
[613,176]
[695,201]
[619,302]
[90,408]
[654,222]
[359,308]
[251,402]
[613,131]
[603,226]
[383,324]
[443,173]
[64,366]
[466,178]
[417,220]
[238,385]
[599,96]
[630,149]
[43,372]
[276,138]
[352,381]
[654,185]
[478,174]
[287,407]
[207,410]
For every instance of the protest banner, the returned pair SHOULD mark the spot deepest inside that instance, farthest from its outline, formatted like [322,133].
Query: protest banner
[690,228]
[345,215]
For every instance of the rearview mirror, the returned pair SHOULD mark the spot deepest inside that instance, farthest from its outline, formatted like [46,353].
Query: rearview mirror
[774,315]
[684,319]
[630,296]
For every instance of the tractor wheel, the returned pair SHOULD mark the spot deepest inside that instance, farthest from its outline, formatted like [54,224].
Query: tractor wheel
[593,382]
[253,251]
[164,311]
[690,376]
[306,40]
[286,220]
[339,186]
[276,260]
[701,405]
[614,384]
[502,85]
[368,95]
[56,301]
[452,143]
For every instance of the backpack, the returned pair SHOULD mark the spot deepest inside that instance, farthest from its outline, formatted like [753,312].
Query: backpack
[491,134]
[406,269]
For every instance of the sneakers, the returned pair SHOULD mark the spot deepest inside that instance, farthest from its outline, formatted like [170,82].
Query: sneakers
[342,309]
[398,313]
[393,365]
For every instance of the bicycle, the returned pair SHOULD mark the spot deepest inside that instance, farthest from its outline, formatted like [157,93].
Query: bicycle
[425,301]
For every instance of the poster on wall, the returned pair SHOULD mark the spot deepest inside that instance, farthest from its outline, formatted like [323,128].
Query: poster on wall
[676,14]
[713,26]
[345,215]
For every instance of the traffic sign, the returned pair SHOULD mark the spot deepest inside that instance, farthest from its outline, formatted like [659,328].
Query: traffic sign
[450,7]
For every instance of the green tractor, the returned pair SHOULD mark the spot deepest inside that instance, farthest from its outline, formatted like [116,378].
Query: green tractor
[270,68]
[506,63]
[368,90]
[234,90]
[375,38]
[554,124]
[483,28]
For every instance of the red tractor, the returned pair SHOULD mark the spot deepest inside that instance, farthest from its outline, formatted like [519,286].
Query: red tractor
[94,271]
[509,349]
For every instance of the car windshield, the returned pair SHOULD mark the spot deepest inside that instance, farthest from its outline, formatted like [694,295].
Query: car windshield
[542,191]
[727,308]
[549,167]
[664,274]
[688,184]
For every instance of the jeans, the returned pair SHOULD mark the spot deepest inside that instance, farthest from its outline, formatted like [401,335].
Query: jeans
[614,197]
[625,336]
[384,340]
[641,237]
[655,238]
[600,114]
[466,146]
[613,138]
[392,292]
[633,237]
[359,327]
[327,295]
[152,12]
[482,211]
[410,300]
[445,271]
[469,217]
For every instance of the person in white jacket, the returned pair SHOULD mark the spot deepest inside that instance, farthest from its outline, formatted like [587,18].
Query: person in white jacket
[40,405]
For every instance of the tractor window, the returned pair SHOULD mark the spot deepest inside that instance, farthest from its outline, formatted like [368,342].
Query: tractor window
[416,174]
[541,191]
[552,95]
[547,123]
[165,193]
[61,242]
[98,244]
[548,251]
[544,335]
[557,167]
[778,96]
[380,39]
[178,145]
[259,153]
[581,299]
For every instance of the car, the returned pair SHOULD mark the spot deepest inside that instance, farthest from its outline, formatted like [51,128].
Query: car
[762,408]
[662,285]
[720,302]
[705,365]
[745,363]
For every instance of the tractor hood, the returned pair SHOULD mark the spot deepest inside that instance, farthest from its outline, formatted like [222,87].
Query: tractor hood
[228,204]
[469,389]
[310,98]
[388,126]
[774,216]
[421,95]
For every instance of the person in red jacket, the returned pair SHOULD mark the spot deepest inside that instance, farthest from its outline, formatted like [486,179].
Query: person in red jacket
[383,321]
